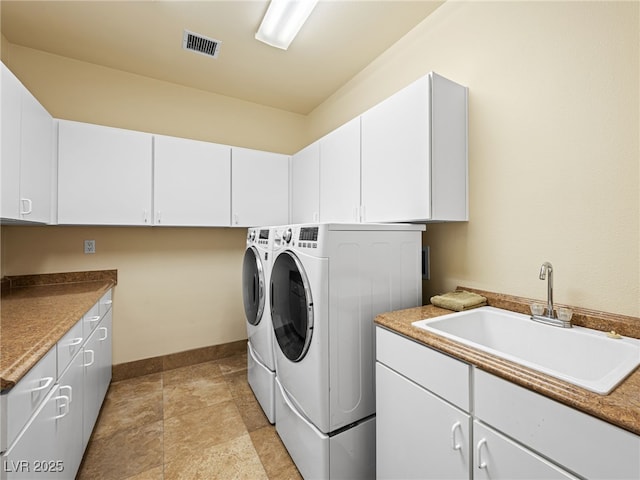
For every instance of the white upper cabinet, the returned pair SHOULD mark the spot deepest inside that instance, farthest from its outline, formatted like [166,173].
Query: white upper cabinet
[191,183]
[259,188]
[27,154]
[104,175]
[340,174]
[305,195]
[414,154]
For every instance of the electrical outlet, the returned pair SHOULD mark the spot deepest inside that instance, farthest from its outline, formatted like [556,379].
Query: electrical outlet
[89,246]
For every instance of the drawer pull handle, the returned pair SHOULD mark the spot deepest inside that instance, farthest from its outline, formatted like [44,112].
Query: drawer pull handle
[108,302]
[93,357]
[75,342]
[95,318]
[481,463]
[47,381]
[455,445]
[64,406]
[68,387]
[106,334]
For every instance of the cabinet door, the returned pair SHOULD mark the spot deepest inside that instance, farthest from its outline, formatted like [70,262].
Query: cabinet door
[27,153]
[259,188]
[497,457]
[396,178]
[418,435]
[29,455]
[305,196]
[69,442]
[414,154]
[10,144]
[191,182]
[340,174]
[36,160]
[104,175]
[104,355]
[91,386]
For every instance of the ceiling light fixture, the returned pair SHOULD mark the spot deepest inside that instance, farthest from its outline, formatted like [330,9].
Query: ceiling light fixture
[283,21]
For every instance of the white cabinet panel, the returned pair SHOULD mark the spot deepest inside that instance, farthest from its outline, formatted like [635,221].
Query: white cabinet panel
[418,435]
[104,354]
[414,154]
[97,373]
[68,440]
[36,164]
[340,174]
[499,458]
[582,443]
[18,404]
[104,175]
[10,160]
[305,195]
[27,154]
[259,188]
[441,374]
[32,451]
[191,182]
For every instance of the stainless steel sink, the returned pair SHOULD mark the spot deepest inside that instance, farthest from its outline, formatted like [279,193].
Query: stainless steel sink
[581,356]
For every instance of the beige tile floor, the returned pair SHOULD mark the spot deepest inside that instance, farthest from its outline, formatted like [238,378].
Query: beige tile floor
[196,422]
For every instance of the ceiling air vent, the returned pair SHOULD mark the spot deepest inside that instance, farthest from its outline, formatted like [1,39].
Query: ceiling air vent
[201,44]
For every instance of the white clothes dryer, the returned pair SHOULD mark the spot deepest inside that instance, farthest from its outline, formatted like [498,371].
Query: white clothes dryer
[328,282]
[256,270]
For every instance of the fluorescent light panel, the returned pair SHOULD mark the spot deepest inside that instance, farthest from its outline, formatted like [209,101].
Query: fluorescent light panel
[283,21]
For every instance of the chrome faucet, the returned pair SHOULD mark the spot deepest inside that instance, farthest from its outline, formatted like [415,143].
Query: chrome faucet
[550,318]
[546,271]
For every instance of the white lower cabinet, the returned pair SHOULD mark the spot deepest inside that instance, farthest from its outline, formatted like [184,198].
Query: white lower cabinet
[426,429]
[34,451]
[496,456]
[49,415]
[97,373]
[69,442]
[424,437]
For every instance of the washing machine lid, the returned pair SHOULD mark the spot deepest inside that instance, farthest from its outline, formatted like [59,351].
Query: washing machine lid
[291,306]
[253,286]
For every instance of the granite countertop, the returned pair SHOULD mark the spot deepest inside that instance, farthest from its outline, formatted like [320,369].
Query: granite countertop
[621,407]
[38,310]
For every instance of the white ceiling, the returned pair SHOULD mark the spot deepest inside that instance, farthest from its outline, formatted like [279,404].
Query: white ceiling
[145,37]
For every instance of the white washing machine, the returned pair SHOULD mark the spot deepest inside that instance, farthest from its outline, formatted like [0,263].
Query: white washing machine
[328,282]
[256,269]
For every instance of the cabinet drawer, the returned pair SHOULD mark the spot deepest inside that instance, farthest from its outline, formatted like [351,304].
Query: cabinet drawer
[443,375]
[90,320]
[19,403]
[105,303]
[68,346]
[584,444]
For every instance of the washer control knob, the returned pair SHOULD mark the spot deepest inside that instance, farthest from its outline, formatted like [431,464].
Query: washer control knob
[286,236]
[252,235]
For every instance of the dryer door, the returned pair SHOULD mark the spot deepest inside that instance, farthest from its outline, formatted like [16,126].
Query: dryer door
[253,286]
[291,306]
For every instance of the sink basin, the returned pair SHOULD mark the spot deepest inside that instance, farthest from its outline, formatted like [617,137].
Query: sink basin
[581,356]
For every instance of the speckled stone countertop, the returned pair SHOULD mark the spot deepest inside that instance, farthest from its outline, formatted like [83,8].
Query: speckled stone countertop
[621,407]
[38,310]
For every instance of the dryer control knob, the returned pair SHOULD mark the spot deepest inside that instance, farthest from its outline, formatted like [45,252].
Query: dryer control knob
[286,236]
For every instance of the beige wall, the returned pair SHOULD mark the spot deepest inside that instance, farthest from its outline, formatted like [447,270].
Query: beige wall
[178,288]
[553,152]
[554,149]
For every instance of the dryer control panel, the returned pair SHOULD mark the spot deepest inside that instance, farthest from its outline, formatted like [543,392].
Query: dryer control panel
[308,237]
